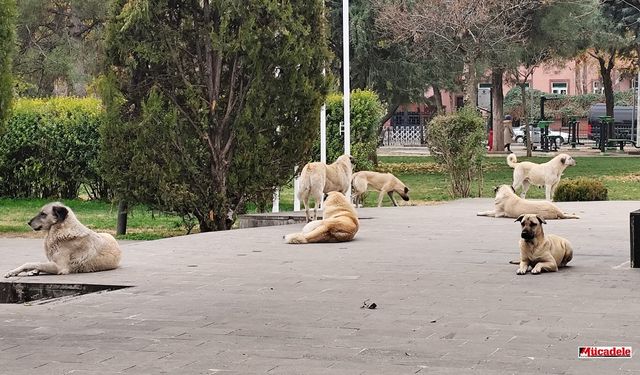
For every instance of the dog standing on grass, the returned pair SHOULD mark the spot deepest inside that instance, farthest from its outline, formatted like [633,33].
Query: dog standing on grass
[319,178]
[339,224]
[385,183]
[546,174]
[543,253]
[70,246]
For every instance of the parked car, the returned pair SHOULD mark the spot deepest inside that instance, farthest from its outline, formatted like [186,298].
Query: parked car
[520,132]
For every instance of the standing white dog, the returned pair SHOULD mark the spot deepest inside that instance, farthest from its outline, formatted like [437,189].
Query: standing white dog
[70,246]
[319,178]
[546,174]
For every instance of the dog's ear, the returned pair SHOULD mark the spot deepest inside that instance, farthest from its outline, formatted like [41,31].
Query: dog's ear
[563,160]
[519,218]
[541,220]
[512,188]
[60,212]
[406,190]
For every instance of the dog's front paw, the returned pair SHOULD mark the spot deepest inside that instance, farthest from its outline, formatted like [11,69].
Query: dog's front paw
[536,271]
[10,274]
[521,271]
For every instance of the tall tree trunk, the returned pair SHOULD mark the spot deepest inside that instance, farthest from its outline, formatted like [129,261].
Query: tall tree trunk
[577,71]
[525,118]
[437,97]
[470,83]
[497,101]
[585,75]
[607,84]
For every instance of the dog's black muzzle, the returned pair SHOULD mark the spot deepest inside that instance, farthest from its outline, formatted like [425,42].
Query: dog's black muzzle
[527,235]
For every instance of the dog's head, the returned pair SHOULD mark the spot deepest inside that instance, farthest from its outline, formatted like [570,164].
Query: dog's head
[404,194]
[503,190]
[567,160]
[334,198]
[346,160]
[531,226]
[50,215]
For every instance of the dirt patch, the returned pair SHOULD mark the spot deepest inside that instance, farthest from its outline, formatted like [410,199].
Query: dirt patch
[631,177]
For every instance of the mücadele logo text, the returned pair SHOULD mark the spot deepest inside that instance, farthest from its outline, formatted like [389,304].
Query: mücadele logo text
[605,352]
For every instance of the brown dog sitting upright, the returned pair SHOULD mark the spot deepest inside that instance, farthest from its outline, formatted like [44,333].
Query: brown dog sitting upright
[543,253]
[339,223]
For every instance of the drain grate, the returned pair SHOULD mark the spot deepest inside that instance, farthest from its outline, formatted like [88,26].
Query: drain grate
[46,292]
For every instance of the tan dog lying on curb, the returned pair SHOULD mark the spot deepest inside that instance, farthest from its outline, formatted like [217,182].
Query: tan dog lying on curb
[70,246]
[385,183]
[319,178]
[508,204]
[546,174]
[340,223]
[543,253]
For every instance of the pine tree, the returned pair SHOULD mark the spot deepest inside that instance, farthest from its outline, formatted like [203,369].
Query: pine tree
[211,103]
[7,46]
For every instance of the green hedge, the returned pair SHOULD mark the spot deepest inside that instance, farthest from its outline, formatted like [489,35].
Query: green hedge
[580,189]
[50,149]
[366,112]
[456,143]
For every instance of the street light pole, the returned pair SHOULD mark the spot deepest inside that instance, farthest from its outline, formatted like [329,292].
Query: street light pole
[345,74]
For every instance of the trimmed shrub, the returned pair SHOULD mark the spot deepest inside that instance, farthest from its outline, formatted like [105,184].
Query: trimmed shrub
[50,149]
[456,142]
[366,112]
[581,189]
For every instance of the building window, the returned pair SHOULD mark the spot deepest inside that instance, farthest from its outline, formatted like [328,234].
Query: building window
[559,88]
[597,87]
[484,85]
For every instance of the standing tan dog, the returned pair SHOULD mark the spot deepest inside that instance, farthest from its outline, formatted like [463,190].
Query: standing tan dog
[385,183]
[543,253]
[339,224]
[70,246]
[509,204]
[546,174]
[319,178]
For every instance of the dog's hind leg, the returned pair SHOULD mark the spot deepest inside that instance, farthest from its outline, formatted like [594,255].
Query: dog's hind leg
[525,188]
[48,267]
[380,198]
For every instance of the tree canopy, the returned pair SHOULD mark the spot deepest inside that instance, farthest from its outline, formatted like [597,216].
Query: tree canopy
[212,103]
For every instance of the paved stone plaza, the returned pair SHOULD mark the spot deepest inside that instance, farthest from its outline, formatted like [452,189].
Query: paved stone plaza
[243,302]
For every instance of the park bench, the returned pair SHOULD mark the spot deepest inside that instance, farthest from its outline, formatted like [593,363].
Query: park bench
[621,142]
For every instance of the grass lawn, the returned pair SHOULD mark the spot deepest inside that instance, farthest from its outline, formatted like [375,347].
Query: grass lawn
[621,176]
[142,224]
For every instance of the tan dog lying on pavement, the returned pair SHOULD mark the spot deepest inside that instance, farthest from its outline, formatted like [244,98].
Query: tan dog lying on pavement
[543,253]
[509,204]
[70,246]
[340,223]
[319,178]
[546,174]
[385,183]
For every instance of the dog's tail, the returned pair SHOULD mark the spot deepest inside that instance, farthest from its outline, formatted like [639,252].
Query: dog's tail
[564,215]
[512,160]
[514,262]
[295,238]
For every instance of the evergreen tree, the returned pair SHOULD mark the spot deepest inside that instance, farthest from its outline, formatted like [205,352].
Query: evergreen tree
[211,103]
[7,43]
